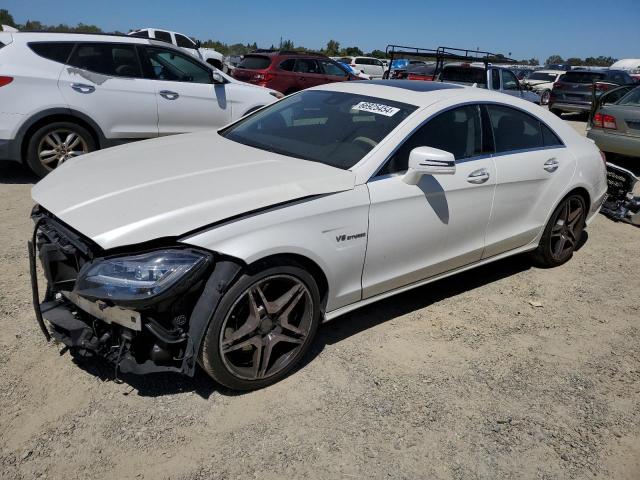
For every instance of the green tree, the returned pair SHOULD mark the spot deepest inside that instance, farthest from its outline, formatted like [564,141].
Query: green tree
[533,61]
[287,45]
[6,18]
[351,52]
[575,61]
[333,48]
[378,54]
[554,59]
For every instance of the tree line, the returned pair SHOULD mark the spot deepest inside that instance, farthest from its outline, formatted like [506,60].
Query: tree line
[332,48]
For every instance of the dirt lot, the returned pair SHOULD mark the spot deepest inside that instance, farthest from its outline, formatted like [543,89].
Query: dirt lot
[507,371]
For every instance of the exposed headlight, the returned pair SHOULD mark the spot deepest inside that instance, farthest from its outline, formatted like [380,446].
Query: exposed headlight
[137,277]
[278,95]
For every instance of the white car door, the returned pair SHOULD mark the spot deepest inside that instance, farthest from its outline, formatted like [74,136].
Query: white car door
[418,231]
[188,99]
[104,81]
[533,168]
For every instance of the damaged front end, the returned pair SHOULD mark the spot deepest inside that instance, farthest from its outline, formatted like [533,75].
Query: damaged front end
[144,311]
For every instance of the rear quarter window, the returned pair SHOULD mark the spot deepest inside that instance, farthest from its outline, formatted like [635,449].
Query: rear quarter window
[163,36]
[255,62]
[56,51]
[464,75]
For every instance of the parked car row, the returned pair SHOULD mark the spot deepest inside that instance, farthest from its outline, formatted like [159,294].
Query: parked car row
[63,95]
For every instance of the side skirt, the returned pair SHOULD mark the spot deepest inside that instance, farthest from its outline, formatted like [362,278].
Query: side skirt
[348,308]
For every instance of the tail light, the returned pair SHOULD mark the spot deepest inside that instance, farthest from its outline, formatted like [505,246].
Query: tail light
[557,85]
[263,77]
[597,120]
[609,121]
[352,65]
[4,80]
[604,121]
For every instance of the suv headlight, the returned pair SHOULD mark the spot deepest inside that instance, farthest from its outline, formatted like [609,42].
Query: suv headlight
[138,277]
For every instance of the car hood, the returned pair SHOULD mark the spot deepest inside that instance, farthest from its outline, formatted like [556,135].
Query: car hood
[169,186]
[535,83]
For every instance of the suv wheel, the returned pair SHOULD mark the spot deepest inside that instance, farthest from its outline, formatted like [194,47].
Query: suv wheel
[563,232]
[262,327]
[55,143]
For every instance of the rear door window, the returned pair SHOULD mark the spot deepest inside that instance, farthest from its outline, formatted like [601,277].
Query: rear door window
[107,58]
[56,51]
[307,65]
[288,65]
[549,138]
[163,36]
[255,62]
[514,130]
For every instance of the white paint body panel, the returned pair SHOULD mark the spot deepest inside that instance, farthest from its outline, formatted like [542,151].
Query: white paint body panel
[175,185]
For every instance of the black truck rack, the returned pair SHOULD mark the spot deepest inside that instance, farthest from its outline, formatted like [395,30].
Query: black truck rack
[440,54]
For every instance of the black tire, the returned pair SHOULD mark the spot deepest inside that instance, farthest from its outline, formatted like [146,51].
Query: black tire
[211,354]
[561,228]
[544,97]
[555,111]
[32,158]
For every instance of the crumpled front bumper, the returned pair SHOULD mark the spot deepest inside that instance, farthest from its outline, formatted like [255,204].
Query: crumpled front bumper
[134,341]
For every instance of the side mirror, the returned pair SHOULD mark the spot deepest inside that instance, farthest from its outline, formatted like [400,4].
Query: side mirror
[198,44]
[428,161]
[217,78]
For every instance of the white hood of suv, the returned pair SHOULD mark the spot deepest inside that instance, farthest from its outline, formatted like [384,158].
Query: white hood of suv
[172,185]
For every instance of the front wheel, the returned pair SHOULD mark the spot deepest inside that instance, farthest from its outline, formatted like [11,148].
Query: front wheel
[563,232]
[262,327]
[53,144]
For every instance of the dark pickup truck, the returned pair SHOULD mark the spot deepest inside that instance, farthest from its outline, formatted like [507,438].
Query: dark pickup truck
[574,90]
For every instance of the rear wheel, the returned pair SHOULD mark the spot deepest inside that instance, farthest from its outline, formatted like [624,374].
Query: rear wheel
[555,111]
[562,233]
[262,327]
[55,143]
[544,98]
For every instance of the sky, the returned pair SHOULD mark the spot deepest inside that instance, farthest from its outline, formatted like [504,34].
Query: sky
[540,28]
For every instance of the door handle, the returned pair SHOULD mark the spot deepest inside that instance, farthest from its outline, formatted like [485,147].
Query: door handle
[168,94]
[83,88]
[551,165]
[478,176]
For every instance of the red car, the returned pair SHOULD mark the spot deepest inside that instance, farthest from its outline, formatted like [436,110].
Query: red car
[288,72]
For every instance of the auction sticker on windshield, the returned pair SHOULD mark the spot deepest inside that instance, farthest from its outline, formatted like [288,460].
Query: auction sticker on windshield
[378,108]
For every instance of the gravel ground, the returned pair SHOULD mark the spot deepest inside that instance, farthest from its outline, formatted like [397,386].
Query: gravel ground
[507,371]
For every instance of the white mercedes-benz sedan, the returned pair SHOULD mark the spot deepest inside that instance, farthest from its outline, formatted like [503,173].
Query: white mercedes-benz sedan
[228,248]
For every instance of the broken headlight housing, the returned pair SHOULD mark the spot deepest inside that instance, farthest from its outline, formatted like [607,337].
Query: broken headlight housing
[138,277]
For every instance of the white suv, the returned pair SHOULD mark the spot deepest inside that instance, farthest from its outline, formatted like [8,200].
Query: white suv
[180,40]
[369,65]
[67,94]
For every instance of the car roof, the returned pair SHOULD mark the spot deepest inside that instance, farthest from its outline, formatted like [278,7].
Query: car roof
[549,71]
[416,93]
[81,37]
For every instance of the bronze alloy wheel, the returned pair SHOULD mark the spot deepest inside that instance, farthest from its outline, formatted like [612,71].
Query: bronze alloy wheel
[266,327]
[563,232]
[567,229]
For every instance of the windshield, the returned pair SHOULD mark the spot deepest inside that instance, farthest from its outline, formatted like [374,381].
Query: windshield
[334,128]
[547,77]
